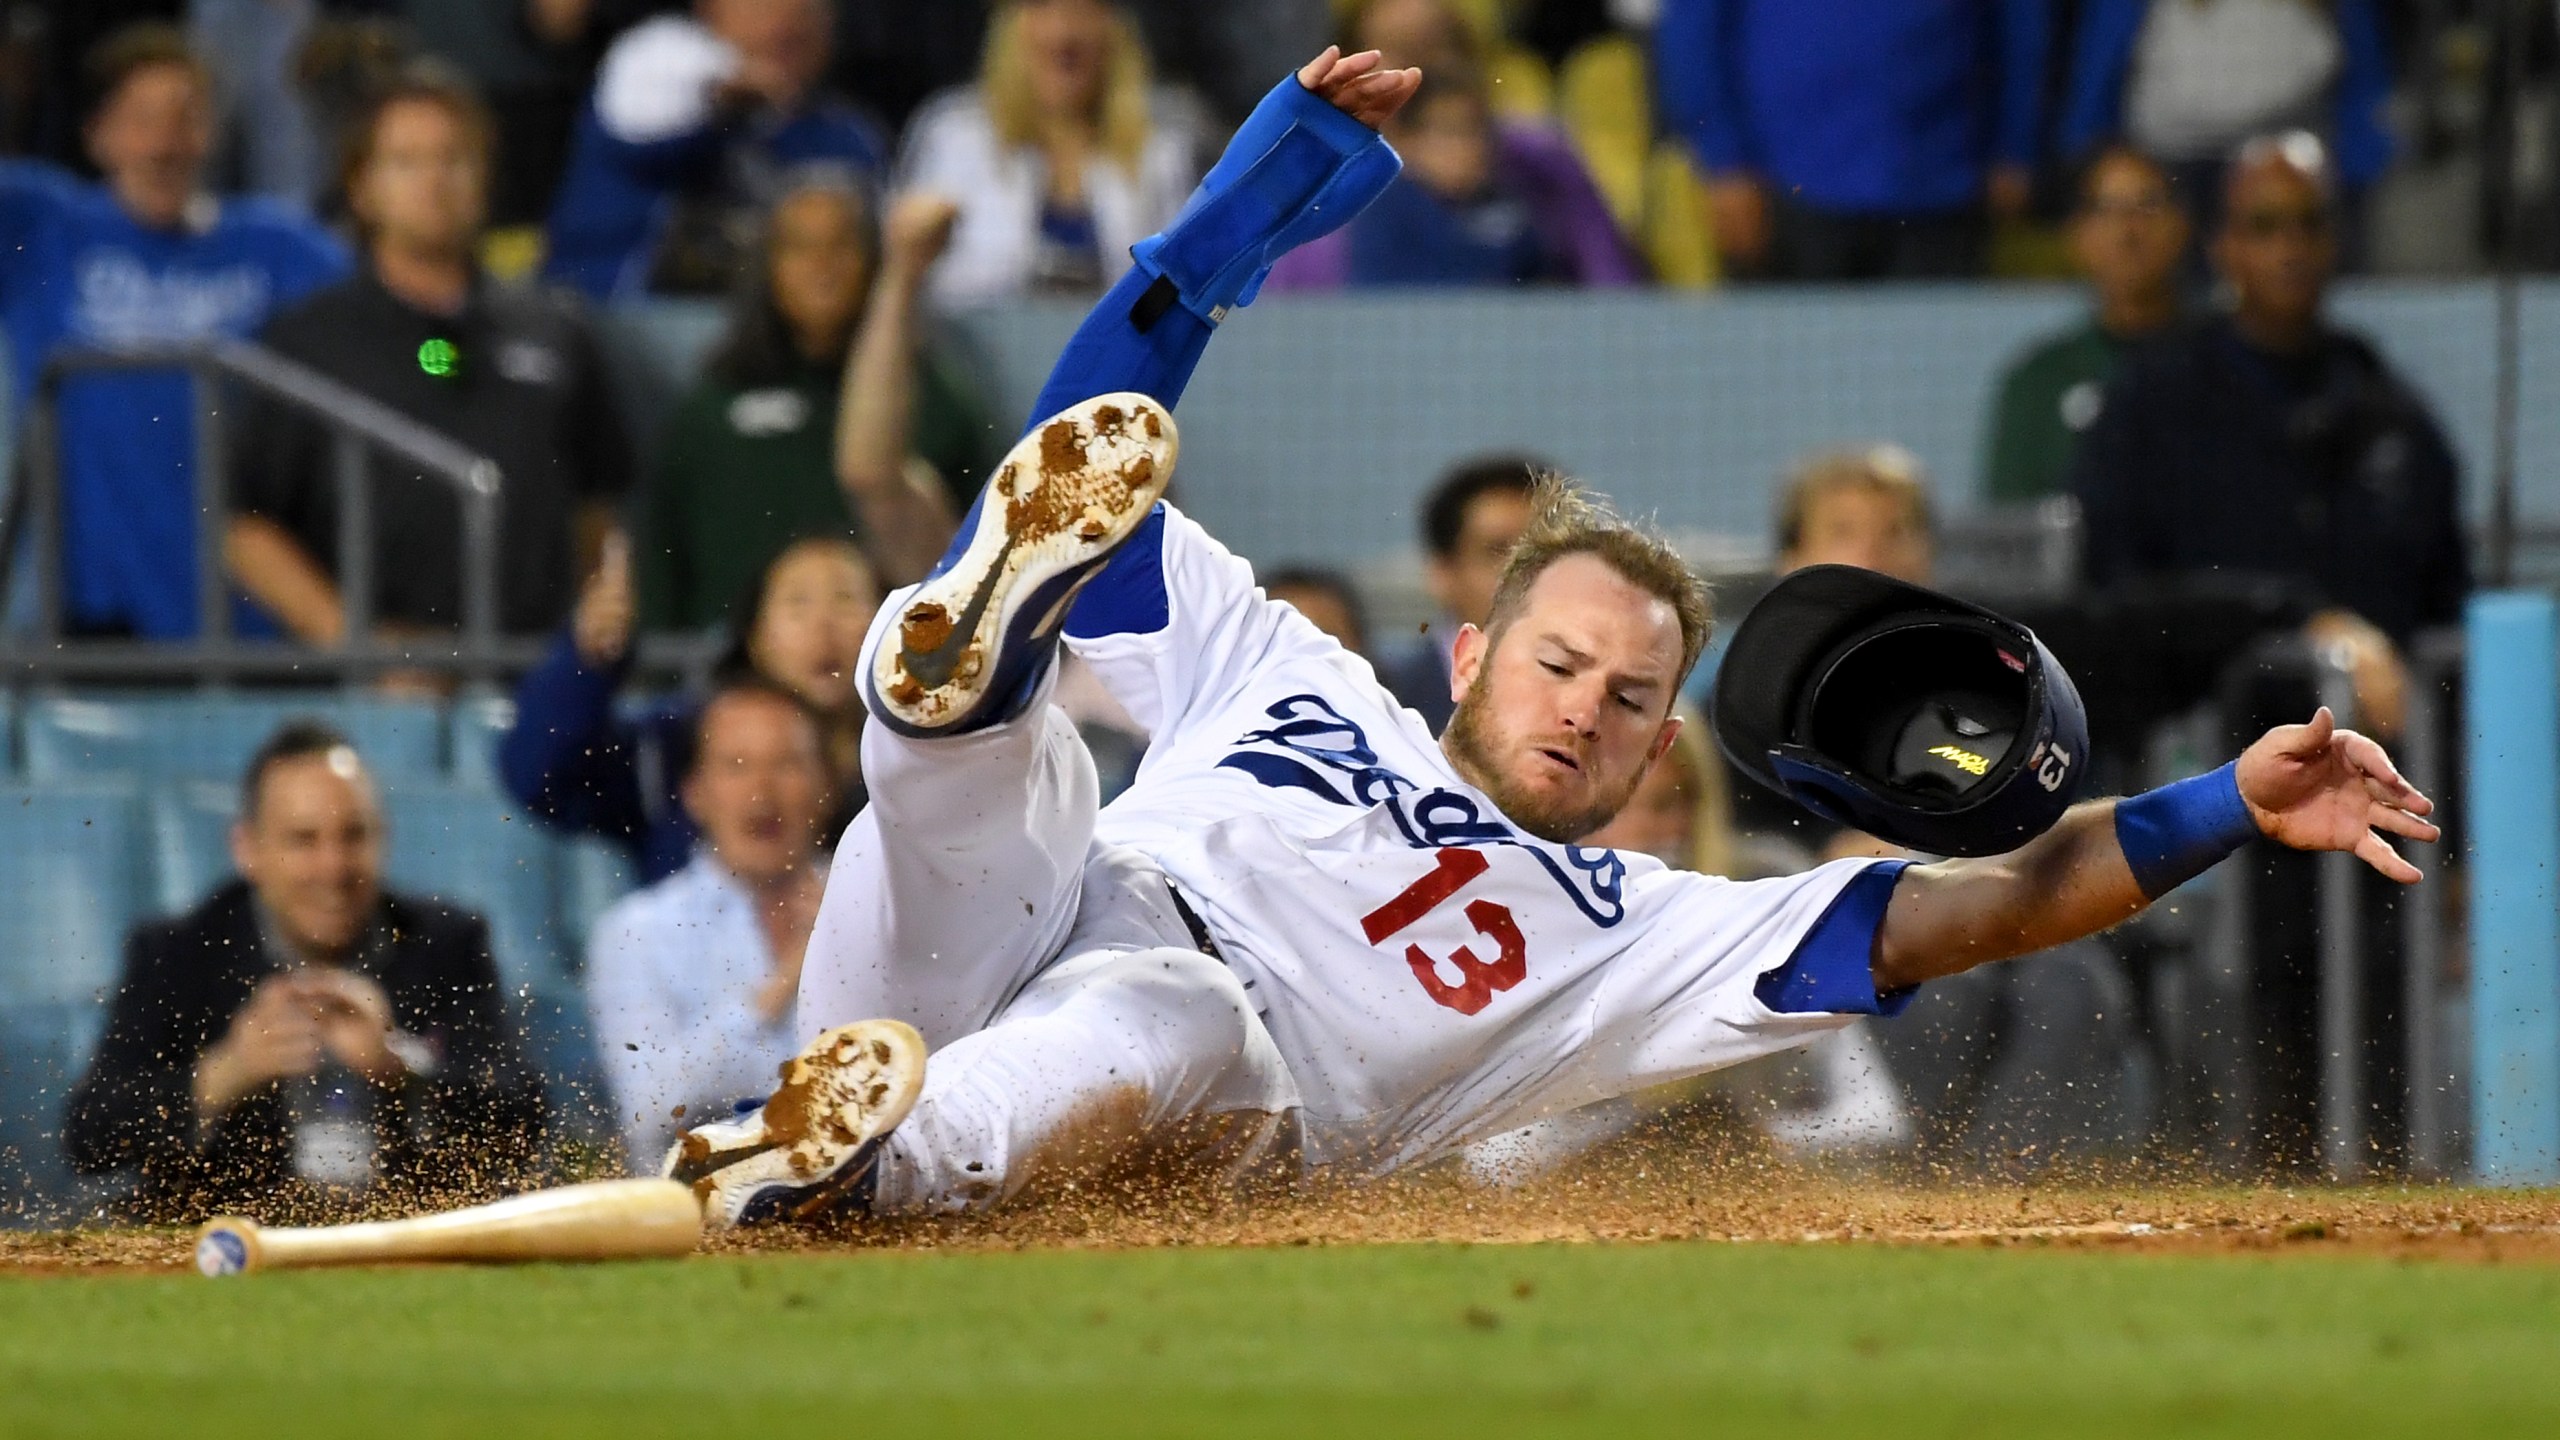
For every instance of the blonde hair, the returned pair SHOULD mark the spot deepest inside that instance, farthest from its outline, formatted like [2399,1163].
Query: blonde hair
[1888,470]
[1711,846]
[1566,520]
[1121,124]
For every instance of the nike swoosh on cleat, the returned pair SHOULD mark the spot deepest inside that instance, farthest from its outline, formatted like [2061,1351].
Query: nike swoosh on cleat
[687,1174]
[934,668]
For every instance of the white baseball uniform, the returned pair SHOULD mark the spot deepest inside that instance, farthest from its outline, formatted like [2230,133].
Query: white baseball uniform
[1398,970]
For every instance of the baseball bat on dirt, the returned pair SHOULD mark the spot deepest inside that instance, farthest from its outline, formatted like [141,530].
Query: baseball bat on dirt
[605,1220]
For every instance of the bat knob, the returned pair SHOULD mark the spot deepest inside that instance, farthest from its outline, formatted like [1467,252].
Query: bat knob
[227,1246]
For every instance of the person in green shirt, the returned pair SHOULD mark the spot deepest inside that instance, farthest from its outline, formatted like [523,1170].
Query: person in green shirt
[821,412]
[2127,234]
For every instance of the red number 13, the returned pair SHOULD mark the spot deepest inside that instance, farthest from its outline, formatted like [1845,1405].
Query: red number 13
[1456,866]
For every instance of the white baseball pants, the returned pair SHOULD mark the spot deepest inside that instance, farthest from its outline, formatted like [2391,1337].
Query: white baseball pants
[1074,1026]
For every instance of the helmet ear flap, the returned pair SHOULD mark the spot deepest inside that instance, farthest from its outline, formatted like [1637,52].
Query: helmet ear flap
[1920,719]
[1813,782]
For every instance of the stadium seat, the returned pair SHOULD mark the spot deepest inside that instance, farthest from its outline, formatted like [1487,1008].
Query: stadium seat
[189,843]
[1603,102]
[467,847]
[478,725]
[653,351]
[1521,87]
[210,736]
[562,1045]
[595,872]
[69,866]
[1676,240]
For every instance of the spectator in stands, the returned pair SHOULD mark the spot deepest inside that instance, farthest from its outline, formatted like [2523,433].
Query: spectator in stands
[273,135]
[581,766]
[304,1037]
[2127,235]
[2018,1066]
[2268,444]
[1451,218]
[1855,139]
[898,53]
[1061,157]
[1470,521]
[691,983]
[820,412]
[144,258]
[510,371]
[2189,80]
[1325,597]
[1867,507]
[1230,52]
[1514,189]
[694,121]
[533,60]
[1682,811]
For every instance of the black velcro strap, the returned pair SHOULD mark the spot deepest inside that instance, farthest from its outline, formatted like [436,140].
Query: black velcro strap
[1191,921]
[1151,306]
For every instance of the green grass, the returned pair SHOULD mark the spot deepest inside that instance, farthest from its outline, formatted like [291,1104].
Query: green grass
[1320,1344]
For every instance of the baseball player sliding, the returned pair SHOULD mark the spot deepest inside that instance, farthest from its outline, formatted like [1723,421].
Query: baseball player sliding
[1313,934]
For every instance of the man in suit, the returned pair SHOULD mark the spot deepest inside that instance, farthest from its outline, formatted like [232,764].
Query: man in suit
[304,1041]
[1470,521]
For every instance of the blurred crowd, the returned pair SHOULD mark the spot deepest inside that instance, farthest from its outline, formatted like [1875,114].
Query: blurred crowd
[638,146]
[423,202]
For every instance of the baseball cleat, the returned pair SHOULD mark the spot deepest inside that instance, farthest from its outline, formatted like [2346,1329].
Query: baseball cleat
[975,635]
[816,1140]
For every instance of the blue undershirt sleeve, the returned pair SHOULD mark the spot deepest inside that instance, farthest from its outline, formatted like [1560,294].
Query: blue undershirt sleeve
[1833,969]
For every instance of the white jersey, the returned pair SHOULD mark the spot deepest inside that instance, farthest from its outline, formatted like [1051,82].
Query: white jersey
[1431,973]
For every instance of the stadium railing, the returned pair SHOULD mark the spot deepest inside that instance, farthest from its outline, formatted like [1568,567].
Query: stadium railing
[360,428]
[357,425]
[2208,987]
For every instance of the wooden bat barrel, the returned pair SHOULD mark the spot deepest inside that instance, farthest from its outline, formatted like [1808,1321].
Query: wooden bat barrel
[604,1220]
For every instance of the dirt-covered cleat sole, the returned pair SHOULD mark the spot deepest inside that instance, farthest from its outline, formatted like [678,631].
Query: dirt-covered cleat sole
[1079,484]
[816,1139]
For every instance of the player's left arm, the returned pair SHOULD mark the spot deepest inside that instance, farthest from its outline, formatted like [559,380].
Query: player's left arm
[2312,787]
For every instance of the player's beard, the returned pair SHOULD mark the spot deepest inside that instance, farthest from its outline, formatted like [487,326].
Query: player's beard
[1474,752]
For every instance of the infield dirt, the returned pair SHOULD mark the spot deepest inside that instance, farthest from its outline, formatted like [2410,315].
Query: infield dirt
[1644,1194]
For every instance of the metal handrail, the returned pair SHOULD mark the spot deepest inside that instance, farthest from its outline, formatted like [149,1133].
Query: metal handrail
[2345,1028]
[357,424]
[2438,1063]
[688,659]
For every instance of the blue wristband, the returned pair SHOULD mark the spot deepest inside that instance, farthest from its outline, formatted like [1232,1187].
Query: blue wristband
[2177,832]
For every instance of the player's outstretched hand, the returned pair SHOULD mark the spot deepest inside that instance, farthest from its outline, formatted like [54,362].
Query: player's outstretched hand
[1358,85]
[2317,787]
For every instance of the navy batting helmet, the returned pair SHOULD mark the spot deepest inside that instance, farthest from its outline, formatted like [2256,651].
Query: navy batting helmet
[1907,714]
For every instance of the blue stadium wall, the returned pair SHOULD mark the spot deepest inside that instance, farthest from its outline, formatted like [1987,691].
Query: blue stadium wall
[1315,421]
